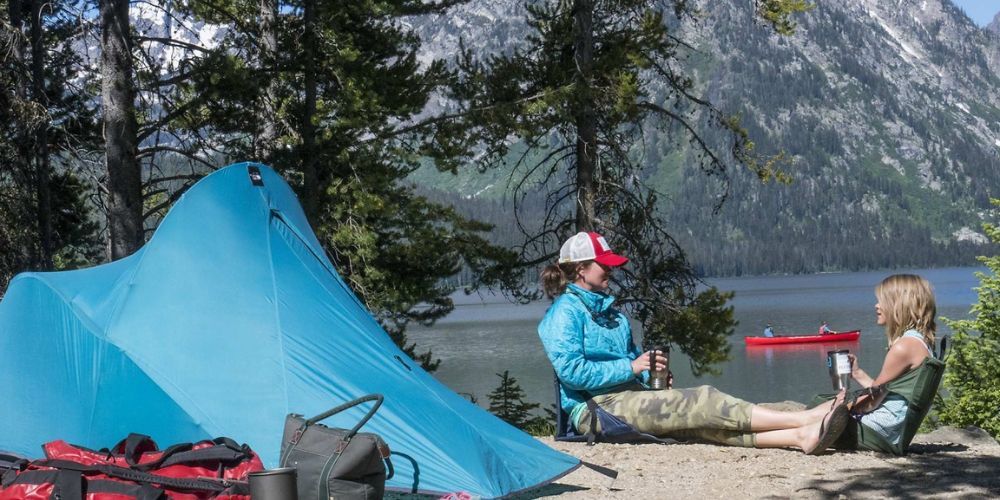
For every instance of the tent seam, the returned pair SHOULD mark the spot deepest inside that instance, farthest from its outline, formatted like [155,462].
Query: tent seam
[277,313]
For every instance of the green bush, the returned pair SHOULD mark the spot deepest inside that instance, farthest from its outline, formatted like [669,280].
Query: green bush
[507,402]
[972,378]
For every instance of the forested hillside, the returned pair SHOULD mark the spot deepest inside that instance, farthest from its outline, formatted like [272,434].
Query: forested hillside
[889,114]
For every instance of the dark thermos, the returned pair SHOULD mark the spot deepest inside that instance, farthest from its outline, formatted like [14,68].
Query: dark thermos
[274,484]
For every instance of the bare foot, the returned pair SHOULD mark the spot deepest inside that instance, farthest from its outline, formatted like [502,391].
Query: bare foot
[829,429]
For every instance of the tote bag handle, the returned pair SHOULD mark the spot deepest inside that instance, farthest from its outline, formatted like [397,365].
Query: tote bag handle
[350,404]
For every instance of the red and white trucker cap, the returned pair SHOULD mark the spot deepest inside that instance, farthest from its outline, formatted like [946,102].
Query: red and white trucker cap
[589,246]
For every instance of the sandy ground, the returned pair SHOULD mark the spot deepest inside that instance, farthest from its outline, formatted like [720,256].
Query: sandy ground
[952,463]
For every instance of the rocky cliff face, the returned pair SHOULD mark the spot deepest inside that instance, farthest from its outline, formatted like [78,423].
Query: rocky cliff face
[892,114]
[890,110]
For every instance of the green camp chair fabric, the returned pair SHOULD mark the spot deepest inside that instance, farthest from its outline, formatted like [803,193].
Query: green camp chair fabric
[918,386]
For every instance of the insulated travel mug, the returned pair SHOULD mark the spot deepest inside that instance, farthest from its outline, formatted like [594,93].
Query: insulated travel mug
[658,379]
[839,366]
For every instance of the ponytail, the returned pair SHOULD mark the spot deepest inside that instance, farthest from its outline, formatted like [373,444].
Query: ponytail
[555,277]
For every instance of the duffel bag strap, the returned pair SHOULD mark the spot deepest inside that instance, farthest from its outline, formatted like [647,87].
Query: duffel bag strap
[211,454]
[133,446]
[225,450]
[68,485]
[71,485]
[10,465]
[200,484]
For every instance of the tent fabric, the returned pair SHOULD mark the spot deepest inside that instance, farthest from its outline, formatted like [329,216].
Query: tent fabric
[228,319]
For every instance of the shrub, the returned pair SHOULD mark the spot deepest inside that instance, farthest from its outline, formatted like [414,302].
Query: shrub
[972,378]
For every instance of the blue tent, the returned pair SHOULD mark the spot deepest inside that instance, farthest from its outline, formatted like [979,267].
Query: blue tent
[228,319]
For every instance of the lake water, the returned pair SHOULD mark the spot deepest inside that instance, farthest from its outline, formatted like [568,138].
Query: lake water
[486,335]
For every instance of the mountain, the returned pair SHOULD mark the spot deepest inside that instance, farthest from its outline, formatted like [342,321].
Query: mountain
[994,25]
[890,111]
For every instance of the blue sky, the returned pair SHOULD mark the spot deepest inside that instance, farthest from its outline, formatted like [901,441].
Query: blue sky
[981,11]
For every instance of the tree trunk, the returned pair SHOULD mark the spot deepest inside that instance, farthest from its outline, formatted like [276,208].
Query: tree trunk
[310,182]
[586,121]
[20,168]
[269,51]
[41,149]
[118,100]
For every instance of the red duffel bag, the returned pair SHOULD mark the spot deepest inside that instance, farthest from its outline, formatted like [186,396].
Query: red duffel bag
[134,468]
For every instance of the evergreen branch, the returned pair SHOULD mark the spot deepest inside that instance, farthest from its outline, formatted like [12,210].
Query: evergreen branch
[428,8]
[704,146]
[174,80]
[152,150]
[671,77]
[171,42]
[169,201]
[158,180]
[151,128]
[462,114]
[236,21]
[174,18]
[680,42]
[554,201]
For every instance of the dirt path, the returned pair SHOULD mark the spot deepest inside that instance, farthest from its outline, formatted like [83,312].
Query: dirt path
[945,463]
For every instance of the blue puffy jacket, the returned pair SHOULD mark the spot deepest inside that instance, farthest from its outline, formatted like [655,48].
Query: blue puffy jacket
[589,344]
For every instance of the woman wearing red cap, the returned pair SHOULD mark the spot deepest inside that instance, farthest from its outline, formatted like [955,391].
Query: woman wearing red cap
[590,345]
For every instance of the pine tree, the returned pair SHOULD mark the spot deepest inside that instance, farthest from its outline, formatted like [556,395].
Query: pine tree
[578,98]
[507,402]
[972,376]
[341,88]
[45,118]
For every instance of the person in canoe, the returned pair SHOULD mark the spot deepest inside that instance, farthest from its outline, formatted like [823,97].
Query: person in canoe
[824,329]
[768,331]
[589,343]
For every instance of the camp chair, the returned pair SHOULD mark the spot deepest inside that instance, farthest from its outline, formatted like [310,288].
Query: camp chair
[613,429]
[921,384]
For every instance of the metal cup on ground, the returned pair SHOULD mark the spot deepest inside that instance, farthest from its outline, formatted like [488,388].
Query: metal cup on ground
[659,379]
[274,484]
[838,364]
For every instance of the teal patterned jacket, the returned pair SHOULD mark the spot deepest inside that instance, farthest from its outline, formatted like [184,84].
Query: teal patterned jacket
[589,344]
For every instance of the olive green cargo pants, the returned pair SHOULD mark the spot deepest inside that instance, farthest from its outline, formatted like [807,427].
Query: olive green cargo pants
[699,413]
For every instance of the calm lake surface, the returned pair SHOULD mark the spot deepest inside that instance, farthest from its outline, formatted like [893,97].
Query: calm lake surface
[486,335]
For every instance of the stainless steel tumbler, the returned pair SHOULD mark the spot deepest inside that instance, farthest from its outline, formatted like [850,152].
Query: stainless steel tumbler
[659,379]
[838,364]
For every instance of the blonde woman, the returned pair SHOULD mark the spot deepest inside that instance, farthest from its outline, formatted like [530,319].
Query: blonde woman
[906,308]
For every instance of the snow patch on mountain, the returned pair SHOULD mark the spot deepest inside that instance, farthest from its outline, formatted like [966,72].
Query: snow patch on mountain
[966,234]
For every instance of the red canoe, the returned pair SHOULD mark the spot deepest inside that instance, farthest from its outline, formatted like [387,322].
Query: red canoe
[800,339]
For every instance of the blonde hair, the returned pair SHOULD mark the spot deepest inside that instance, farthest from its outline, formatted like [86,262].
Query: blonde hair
[907,303]
[555,277]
